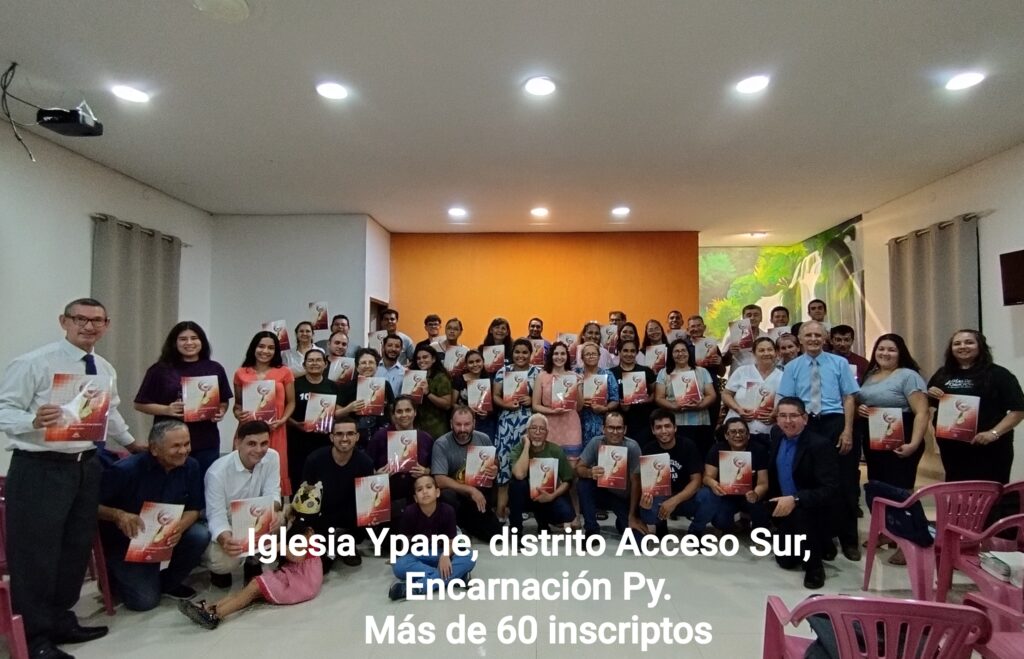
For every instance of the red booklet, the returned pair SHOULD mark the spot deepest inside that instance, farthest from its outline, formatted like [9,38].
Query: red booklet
[685,387]
[201,396]
[595,389]
[537,356]
[515,384]
[414,383]
[375,341]
[775,332]
[655,357]
[571,340]
[280,328]
[735,473]
[318,315]
[702,349]
[455,359]
[478,395]
[402,450]
[741,333]
[655,475]
[259,397]
[614,461]
[320,413]
[494,358]
[885,428]
[674,335]
[543,476]
[478,460]
[957,417]
[373,392]
[565,391]
[150,545]
[373,500]
[634,388]
[757,396]
[256,513]
[610,337]
[342,369]
[84,402]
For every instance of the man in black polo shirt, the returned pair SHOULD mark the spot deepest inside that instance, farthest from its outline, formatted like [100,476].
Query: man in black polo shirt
[686,468]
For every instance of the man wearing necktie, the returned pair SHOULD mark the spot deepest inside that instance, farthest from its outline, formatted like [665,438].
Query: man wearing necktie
[53,487]
[824,383]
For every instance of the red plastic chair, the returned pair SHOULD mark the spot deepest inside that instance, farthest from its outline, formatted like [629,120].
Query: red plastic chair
[961,553]
[11,626]
[1018,489]
[1007,640]
[965,504]
[879,628]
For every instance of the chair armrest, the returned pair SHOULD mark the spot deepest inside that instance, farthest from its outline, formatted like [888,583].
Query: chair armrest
[778,610]
[990,607]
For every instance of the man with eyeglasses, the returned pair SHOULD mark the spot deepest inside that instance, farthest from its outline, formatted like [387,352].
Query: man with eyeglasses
[53,487]
[621,502]
[720,508]
[337,466]
[548,507]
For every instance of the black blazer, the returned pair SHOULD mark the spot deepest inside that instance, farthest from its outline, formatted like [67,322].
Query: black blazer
[815,469]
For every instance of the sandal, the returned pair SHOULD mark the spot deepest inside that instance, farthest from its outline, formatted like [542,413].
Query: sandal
[199,614]
[898,558]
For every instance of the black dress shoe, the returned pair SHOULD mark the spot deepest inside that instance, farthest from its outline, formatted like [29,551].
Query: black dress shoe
[851,552]
[47,650]
[829,552]
[78,634]
[222,581]
[814,579]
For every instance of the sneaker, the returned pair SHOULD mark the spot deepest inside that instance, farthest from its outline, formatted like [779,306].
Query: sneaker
[353,560]
[222,581]
[199,614]
[180,592]
[397,591]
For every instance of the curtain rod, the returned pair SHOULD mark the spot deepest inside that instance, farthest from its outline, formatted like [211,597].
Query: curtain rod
[966,217]
[99,217]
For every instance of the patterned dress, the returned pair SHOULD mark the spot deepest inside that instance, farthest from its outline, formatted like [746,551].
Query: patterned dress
[511,424]
[591,421]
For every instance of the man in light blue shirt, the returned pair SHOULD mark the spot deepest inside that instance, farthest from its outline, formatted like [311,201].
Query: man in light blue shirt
[389,367]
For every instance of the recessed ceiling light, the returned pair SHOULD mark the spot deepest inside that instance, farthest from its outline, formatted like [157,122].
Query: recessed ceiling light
[540,212]
[964,80]
[758,234]
[621,211]
[229,11]
[129,94]
[331,90]
[752,85]
[457,213]
[540,86]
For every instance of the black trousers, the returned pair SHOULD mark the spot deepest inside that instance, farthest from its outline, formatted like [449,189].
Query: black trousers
[830,426]
[807,522]
[51,522]
[481,525]
[886,466]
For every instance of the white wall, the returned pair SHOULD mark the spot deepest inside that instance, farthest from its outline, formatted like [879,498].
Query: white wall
[46,240]
[378,266]
[994,185]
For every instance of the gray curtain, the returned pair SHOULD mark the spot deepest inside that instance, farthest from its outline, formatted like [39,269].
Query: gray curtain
[135,273]
[934,287]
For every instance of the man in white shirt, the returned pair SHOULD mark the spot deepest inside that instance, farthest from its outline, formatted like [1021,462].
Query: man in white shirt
[253,470]
[53,488]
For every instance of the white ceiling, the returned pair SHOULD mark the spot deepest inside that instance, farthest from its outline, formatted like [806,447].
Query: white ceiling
[644,115]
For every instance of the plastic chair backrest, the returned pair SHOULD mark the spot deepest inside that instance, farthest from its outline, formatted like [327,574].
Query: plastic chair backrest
[965,504]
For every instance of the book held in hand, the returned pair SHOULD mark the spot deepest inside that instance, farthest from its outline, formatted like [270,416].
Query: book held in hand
[403,450]
[735,471]
[685,387]
[84,402]
[674,335]
[318,315]
[514,385]
[702,349]
[741,333]
[757,396]
[610,337]
[571,340]
[634,388]
[342,370]
[614,461]
[478,460]
[564,391]
[279,328]
[494,358]
[478,395]
[537,356]
[455,360]
[415,384]
[201,397]
[256,513]
[885,428]
[775,332]
[656,475]
[655,357]
[259,397]
[595,389]
[375,341]
[373,392]
[320,413]
[373,500]
[158,523]
[957,417]
[543,476]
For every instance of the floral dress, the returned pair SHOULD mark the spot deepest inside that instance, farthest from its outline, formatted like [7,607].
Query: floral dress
[511,424]
[592,422]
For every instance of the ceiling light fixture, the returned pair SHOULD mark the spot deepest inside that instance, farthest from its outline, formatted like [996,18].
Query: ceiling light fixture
[129,94]
[457,213]
[331,90]
[540,212]
[621,212]
[229,11]
[964,80]
[540,86]
[758,234]
[752,85]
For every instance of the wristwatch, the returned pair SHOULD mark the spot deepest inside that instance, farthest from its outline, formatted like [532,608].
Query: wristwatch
[994,433]
[796,500]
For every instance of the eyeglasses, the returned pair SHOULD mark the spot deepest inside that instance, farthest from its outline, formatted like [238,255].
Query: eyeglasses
[736,433]
[82,321]
[537,428]
[788,417]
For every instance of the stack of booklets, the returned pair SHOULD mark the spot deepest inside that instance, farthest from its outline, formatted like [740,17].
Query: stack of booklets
[1006,566]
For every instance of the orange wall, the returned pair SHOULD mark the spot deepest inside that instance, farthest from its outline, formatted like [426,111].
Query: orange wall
[564,278]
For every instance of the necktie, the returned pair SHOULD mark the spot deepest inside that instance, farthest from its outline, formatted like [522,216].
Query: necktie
[90,369]
[815,403]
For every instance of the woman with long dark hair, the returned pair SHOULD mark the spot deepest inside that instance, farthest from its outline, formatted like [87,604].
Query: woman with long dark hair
[432,414]
[692,417]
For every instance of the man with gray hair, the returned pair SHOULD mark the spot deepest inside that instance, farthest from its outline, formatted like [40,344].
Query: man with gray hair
[166,474]
[552,507]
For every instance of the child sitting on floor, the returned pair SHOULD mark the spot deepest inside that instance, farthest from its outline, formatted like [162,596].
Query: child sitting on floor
[297,578]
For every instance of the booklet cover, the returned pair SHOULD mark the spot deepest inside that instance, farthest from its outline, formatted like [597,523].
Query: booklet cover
[634,388]
[614,460]
[775,332]
[375,340]
[685,388]
[318,315]
[757,396]
[735,474]
[565,391]
[655,357]
[403,450]
[342,370]
[610,337]
[885,428]
[455,360]
[515,384]
[415,384]
[84,402]
[372,391]
[494,358]
[373,500]
[957,417]
[320,413]
[280,328]
[258,397]
[741,333]
[571,340]
[150,545]
[201,396]
[543,476]
[674,335]
[595,389]
[478,395]
[256,513]
[702,348]
[478,460]
[537,356]
[655,475]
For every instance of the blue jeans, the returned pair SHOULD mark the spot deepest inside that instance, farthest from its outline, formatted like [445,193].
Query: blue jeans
[687,508]
[461,566]
[591,497]
[720,511]
[140,584]
[558,511]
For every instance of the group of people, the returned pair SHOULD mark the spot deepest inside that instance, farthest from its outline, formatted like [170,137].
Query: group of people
[795,398]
